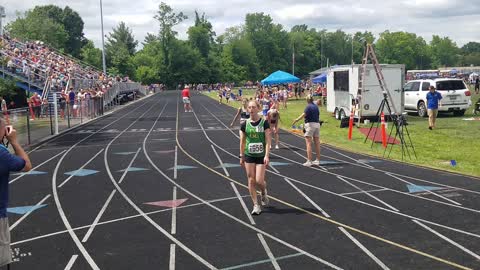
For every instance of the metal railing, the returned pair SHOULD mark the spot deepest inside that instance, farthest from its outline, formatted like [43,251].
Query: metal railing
[36,123]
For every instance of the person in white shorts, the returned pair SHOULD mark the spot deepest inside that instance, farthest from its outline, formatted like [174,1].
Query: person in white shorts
[311,115]
[186,99]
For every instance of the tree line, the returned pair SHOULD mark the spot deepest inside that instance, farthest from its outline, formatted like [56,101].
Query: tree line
[246,52]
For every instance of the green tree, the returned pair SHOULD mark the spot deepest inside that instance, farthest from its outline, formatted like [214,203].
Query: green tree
[35,26]
[149,38]
[8,89]
[444,51]
[201,35]
[91,55]
[359,41]
[269,41]
[148,63]
[167,19]
[121,62]
[403,48]
[471,47]
[121,36]
[305,43]
[72,23]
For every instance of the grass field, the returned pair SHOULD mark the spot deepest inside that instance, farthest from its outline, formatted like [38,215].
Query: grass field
[453,139]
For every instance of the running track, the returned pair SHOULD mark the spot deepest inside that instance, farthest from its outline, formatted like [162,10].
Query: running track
[85,206]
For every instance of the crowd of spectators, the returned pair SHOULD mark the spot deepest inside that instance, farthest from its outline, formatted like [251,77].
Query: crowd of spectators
[37,62]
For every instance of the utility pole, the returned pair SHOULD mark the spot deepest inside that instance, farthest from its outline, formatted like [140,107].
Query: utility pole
[103,41]
[293,59]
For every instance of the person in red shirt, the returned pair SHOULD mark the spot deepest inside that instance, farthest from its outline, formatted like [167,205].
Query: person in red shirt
[186,99]
[37,103]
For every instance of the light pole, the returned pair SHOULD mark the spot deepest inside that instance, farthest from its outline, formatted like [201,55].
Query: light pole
[103,41]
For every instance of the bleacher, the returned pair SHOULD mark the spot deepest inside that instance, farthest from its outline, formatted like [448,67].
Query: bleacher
[39,68]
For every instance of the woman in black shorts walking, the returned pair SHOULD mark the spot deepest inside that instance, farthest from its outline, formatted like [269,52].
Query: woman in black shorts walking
[255,140]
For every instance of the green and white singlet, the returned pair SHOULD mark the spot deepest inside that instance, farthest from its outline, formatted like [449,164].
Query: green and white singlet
[255,135]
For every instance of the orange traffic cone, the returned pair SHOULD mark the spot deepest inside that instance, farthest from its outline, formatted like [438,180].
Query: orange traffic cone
[350,126]
[384,132]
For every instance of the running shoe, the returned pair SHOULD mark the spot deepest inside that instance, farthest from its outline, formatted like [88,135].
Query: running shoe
[256,210]
[308,163]
[265,199]
[276,146]
[316,162]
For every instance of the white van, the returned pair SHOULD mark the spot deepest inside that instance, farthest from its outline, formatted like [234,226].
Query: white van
[455,96]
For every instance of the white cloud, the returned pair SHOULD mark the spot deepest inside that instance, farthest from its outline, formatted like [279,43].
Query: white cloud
[457,19]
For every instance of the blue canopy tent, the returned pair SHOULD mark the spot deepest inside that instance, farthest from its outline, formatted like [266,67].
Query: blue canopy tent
[279,77]
[322,78]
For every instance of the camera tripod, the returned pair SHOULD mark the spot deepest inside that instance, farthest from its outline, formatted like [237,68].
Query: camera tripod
[400,127]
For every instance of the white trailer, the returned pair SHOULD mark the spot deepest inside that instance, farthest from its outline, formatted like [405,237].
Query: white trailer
[342,90]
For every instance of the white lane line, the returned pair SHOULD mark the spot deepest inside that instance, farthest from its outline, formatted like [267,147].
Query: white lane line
[107,202]
[354,240]
[273,168]
[244,206]
[38,166]
[307,198]
[300,155]
[27,214]
[426,190]
[434,183]
[368,194]
[219,160]
[71,262]
[378,186]
[120,219]
[81,168]
[359,201]
[239,220]
[363,191]
[129,165]
[175,163]
[64,218]
[172,257]
[269,252]
[226,213]
[58,204]
[356,160]
[362,247]
[174,212]
[363,165]
[476,256]
[99,215]
[140,211]
[382,208]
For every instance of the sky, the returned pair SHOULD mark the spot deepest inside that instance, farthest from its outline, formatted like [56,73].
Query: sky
[457,19]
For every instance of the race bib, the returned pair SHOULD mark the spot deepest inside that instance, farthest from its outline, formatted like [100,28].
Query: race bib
[255,148]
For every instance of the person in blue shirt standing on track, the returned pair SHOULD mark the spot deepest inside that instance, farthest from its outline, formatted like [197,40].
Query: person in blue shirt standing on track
[311,116]
[8,163]
[433,98]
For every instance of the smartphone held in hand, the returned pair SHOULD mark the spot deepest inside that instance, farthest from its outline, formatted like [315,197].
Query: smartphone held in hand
[9,130]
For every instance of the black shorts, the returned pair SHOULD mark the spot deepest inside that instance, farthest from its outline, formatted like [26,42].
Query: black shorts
[256,160]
